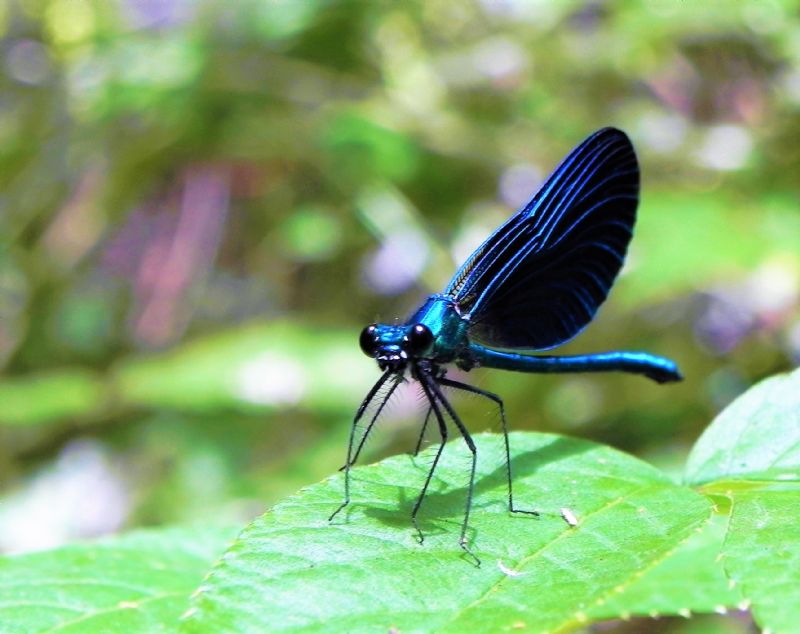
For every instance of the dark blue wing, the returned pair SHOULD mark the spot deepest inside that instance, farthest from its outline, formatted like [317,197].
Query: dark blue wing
[539,279]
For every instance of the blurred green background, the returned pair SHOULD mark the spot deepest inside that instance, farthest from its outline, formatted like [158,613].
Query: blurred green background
[203,202]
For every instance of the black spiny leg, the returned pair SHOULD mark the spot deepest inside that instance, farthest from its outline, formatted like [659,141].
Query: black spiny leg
[443,432]
[439,373]
[499,402]
[422,433]
[361,409]
[432,385]
[372,421]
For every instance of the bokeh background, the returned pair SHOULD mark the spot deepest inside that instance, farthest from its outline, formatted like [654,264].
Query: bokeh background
[203,202]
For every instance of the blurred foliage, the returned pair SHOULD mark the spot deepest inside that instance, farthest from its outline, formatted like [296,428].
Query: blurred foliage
[201,203]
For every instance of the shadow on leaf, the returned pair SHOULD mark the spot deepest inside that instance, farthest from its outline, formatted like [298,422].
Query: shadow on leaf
[451,502]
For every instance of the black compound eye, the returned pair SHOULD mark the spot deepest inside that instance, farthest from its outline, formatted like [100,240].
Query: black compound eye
[420,338]
[368,341]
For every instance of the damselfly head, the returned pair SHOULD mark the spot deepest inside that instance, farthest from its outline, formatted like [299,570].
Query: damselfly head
[393,346]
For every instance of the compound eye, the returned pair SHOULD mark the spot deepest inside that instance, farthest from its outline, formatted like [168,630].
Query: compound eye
[420,338]
[368,341]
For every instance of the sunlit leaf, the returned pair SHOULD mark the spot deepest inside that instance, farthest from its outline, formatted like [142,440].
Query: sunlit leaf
[751,455]
[138,583]
[755,437]
[293,571]
[762,555]
[688,580]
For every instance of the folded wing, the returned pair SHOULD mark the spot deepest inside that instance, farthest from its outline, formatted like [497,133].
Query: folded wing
[540,278]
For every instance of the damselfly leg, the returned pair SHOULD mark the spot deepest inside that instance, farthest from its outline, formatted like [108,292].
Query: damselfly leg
[422,431]
[398,380]
[434,388]
[439,374]
[426,387]
[457,385]
[361,409]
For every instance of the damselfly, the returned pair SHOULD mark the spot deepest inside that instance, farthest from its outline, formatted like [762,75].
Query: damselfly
[535,283]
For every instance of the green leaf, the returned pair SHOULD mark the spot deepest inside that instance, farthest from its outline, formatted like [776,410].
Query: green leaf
[292,571]
[253,368]
[137,583]
[751,455]
[665,591]
[51,396]
[762,555]
[715,219]
[755,437]
[363,147]
[250,368]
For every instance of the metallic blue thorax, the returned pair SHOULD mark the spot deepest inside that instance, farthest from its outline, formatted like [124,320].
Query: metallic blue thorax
[449,328]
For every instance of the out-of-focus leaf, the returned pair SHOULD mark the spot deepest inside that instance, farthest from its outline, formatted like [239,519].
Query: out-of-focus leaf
[259,367]
[254,368]
[670,251]
[757,437]
[137,583]
[50,397]
[277,21]
[293,571]
[364,147]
